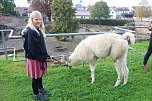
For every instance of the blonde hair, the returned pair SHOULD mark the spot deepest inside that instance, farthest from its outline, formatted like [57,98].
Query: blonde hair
[30,22]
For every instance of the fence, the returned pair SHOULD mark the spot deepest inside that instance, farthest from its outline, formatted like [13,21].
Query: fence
[4,47]
[121,30]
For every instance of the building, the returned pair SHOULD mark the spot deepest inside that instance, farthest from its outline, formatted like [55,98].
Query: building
[81,11]
[22,11]
[83,14]
[121,12]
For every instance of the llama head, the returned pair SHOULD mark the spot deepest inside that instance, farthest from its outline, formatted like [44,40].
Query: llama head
[70,61]
[130,37]
[65,61]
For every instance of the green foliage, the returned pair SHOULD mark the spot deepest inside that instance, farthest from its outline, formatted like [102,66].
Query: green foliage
[75,84]
[8,7]
[108,22]
[100,10]
[63,15]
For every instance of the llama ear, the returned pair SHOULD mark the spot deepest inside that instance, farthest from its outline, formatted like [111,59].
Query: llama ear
[128,39]
[70,53]
[63,59]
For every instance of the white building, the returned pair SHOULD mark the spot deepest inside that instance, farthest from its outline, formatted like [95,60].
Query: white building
[121,12]
[84,14]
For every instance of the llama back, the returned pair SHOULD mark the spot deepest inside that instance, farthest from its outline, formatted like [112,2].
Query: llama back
[99,44]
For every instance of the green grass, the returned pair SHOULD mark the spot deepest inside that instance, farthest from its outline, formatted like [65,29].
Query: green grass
[75,84]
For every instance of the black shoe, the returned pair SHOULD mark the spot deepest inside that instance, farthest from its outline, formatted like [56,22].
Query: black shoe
[39,98]
[44,92]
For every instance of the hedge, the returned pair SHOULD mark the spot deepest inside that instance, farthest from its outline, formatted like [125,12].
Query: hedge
[109,22]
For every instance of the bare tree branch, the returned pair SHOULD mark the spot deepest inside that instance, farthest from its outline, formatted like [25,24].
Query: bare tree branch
[43,6]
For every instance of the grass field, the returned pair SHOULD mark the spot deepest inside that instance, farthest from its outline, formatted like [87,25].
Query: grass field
[74,84]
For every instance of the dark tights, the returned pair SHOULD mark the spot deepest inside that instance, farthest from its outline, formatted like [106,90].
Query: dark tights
[149,51]
[36,84]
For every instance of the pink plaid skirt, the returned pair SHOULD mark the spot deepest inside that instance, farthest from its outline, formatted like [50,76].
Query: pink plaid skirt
[33,68]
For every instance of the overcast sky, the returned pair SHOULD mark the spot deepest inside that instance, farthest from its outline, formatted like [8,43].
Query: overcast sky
[117,3]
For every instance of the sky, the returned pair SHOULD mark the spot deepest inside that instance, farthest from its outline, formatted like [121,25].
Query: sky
[21,3]
[117,3]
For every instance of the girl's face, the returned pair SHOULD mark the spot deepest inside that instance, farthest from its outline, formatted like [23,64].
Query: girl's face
[37,21]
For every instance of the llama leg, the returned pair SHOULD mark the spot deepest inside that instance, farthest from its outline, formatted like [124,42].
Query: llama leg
[118,66]
[125,72]
[92,69]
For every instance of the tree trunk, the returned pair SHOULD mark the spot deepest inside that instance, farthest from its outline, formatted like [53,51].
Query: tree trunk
[99,22]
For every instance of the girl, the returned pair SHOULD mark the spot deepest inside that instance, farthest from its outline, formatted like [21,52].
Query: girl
[36,54]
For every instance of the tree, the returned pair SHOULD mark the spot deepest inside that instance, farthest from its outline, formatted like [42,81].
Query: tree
[146,8]
[7,7]
[143,10]
[43,6]
[63,15]
[100,10]
[139,12]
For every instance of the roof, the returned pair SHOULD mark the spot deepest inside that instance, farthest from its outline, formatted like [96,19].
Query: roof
[20,10]
[82,13]
[117,9]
